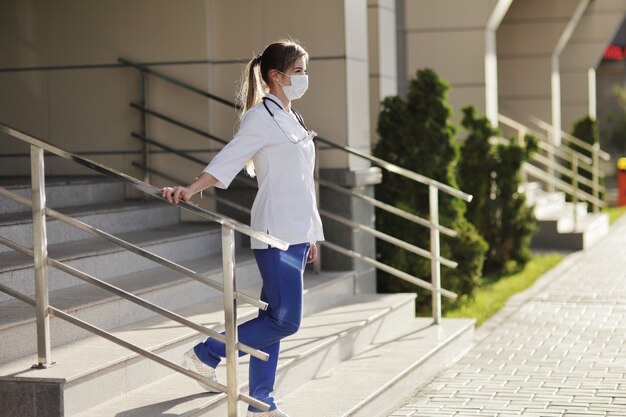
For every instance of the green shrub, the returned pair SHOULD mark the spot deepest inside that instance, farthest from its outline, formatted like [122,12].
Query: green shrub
[491,173]
[585,129]
[417,134]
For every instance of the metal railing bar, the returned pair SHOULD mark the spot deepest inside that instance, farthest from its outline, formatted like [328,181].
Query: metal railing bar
[562,170]
[135,249]
[121,342]
[377,161]
[328,184]
[543,142]
[565,153]
[178,123]
[562,185]
[387,207]
[572,139]
[178,83]
[388,238]
[391,270]
[399,170]
[180,153]
[133,298]
[145,188]
[178,181]
[557,167]
[123,152]
[395,241]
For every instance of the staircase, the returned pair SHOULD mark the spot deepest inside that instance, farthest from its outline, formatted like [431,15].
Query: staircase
[355,355]
[558,227]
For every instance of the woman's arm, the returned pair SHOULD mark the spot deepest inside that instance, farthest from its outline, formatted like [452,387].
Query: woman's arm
[201,183]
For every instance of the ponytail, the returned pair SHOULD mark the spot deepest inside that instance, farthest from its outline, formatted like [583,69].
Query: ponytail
[251,93]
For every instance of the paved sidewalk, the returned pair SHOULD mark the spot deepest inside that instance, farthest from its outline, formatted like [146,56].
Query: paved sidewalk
[557,349]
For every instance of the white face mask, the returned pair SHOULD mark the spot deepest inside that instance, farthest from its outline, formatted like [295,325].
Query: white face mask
[299,85]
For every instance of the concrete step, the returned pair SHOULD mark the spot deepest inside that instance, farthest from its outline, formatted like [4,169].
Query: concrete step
[374,382]
[63,192]
[115,217]
[95,365]
[105,260]
[324,340]
[553,235]
[161,286]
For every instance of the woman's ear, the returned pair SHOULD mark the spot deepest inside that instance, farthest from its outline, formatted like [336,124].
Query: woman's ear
[274,75]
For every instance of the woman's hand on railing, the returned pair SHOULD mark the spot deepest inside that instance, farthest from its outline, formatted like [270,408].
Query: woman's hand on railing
[177,193]
[312,253]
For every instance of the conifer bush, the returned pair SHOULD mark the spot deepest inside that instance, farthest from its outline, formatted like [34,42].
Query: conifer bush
[417,134]
[491,173]
[585,129]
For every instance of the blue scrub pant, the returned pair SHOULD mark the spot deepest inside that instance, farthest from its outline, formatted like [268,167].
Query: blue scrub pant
[281,272]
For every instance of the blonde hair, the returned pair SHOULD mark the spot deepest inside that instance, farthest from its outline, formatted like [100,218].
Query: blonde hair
[281,56]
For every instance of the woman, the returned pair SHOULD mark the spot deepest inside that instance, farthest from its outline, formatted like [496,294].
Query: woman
[274,144]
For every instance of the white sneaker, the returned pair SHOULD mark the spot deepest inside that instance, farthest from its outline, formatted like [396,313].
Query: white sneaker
[274,413]
[196,365]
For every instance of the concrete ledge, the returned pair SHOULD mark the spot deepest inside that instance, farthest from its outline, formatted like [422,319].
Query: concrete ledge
[356,178]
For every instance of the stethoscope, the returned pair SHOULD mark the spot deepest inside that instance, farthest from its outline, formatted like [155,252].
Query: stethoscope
[310,134]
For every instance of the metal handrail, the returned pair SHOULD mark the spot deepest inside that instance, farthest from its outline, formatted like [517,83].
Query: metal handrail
[377,161]
[176,82]
[134,249]
[383,236]
[556,182]
[133,298]
[353,254]
[572,139]
[41,262]
[434,186]
[371,200]
[576,159]
[143,187]
[119,341]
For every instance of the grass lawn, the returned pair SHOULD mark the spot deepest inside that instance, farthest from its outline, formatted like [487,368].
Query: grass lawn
[614,212]
[493,293]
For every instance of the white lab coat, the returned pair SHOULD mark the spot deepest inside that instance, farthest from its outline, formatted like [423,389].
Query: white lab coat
[285,205]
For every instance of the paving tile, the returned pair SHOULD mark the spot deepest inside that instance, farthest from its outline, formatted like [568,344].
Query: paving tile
[556,349]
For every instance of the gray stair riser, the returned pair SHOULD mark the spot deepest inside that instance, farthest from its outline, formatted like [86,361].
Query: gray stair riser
[348,344]
[130,374]
[67,195]
[114,263]
[117,312]
[137,371]
[552,235]
[391,397]
[383,328]
[116,221]
[328,296]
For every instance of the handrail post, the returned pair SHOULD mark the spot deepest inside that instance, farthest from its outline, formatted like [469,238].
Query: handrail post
[230,319]
[40,255]
[575,187]
[435,263]
[595,172]
[552,159]
[317,265]
[145,150]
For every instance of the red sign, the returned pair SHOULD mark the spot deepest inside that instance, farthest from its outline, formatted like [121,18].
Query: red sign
[615,53]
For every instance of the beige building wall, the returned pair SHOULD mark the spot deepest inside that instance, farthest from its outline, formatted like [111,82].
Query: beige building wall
[383,59]
[450,36]
[526,40]
[583,53]
[334,33]
[60,80]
